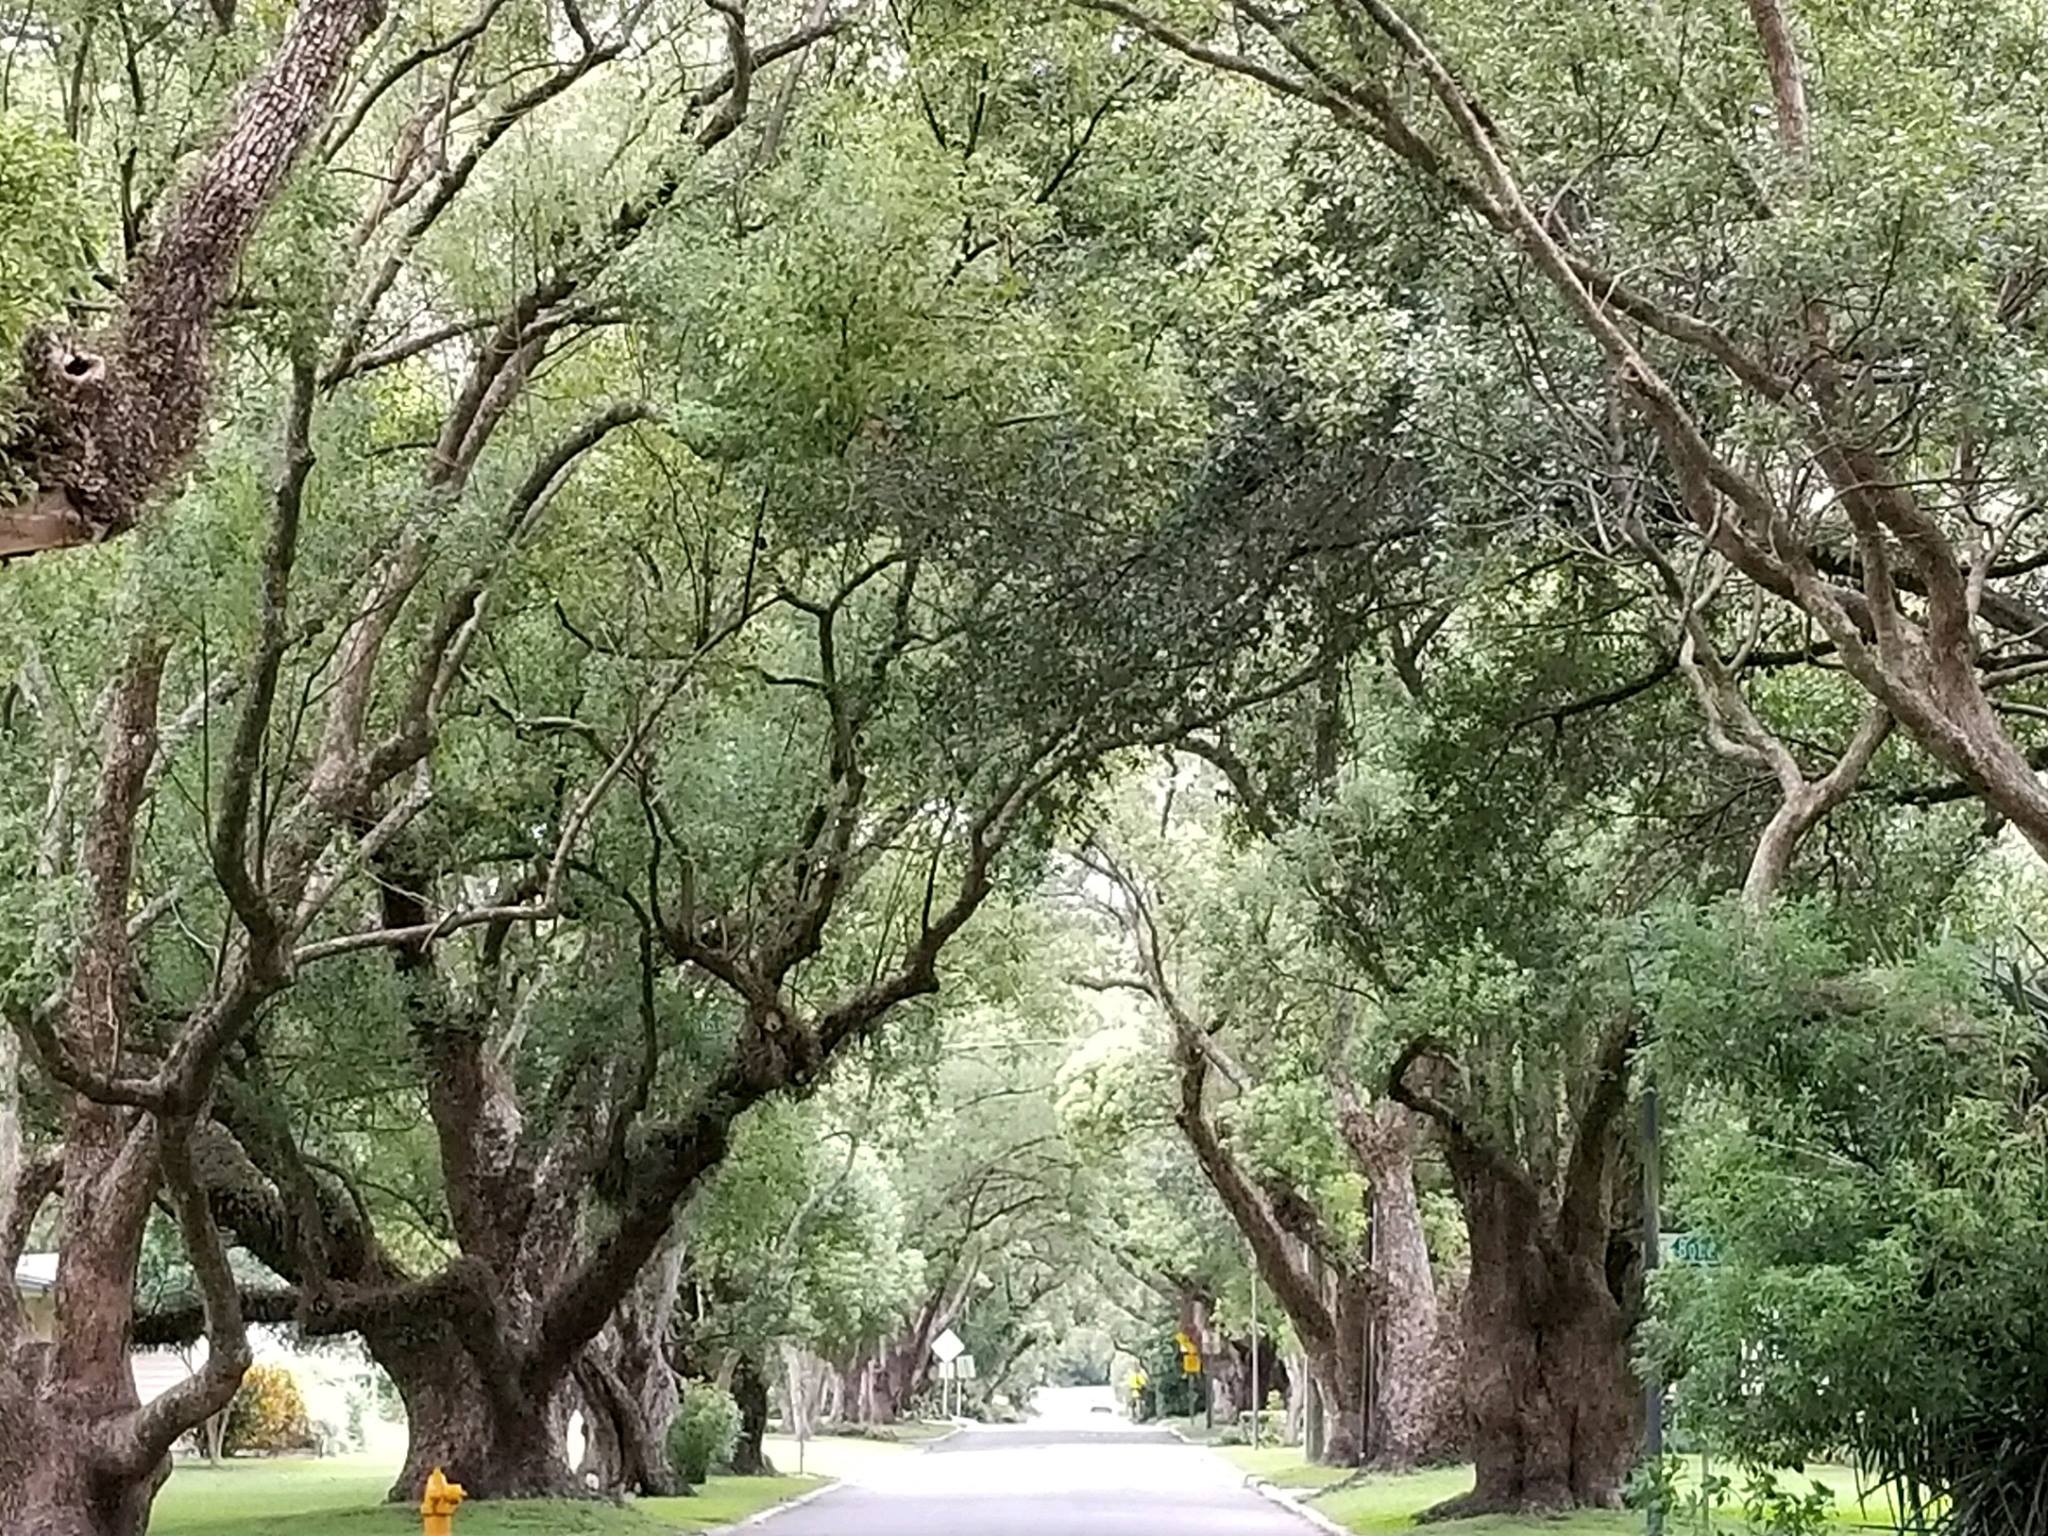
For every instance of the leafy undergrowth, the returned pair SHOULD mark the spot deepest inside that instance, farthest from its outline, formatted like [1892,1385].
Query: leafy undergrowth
[344,1497]
[1384,1503]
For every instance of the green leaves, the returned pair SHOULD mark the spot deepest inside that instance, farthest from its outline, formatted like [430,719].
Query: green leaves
[1852,1143]
[43,225]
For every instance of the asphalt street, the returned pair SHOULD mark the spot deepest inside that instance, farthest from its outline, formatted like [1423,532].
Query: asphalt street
[1045,1480]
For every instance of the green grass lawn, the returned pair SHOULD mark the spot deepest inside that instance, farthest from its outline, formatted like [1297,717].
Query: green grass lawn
[1282,1465]
[838,1457]
[344,1497]
[726,1499]
[917,1431]
[904,1432]
[1384,1503]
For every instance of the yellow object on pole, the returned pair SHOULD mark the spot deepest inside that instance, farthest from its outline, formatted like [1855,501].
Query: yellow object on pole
[437,1508]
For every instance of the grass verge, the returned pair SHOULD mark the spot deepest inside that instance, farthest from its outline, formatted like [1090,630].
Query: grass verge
[1390,1503]
[904,1432]
[344,1497]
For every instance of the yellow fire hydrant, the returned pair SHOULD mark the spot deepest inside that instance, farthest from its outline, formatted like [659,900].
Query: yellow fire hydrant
[437,1509]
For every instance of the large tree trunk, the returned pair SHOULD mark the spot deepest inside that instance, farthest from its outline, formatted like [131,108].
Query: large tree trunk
[1416,1410]
[487,1430]
[796,1397]
[497,1443]
[1554,1405]
[865,1375]
[1227,1370]
[628,1387]
[902,1365]
[1226,1363]
[898,1378]
[1339,1367]
[476,1406]
[807,1384]
[603,1456]
[750,1391]
[1417,1407]
[626,1445]
[66,1398]
[77,1455]
[51,1484]
[1328,1312]
[1553,1402]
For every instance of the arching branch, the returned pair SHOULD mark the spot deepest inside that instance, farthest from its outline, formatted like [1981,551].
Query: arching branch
[114,416]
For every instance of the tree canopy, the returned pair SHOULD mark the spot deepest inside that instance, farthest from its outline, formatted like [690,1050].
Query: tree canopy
[691,691]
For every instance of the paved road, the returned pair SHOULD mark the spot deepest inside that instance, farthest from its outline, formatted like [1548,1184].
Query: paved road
[1045,1481]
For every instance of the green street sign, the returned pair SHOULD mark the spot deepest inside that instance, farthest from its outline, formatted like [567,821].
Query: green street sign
[1688,1248]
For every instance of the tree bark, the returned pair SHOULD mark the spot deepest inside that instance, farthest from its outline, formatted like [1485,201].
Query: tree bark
[901,1367]
[1417,1411]
[866,1375]
[115,416]
[626,1445]
[1328,1318]
[1553,1401]
[78,1457]
[629,1388]
[602,1457]
[476,1423]
[495,1443]
[1338,1367]
[1225,1361]
[50,1484]
[750,1391]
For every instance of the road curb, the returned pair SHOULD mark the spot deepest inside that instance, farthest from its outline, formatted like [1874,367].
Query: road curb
[769,1514]
[1274,1494]
[952,1434]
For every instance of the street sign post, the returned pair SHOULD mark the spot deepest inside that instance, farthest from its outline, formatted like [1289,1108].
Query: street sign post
[947,1348]
[1256,1404]
[1653,1221]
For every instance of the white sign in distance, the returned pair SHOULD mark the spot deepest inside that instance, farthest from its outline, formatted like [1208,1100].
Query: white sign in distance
[947,1347]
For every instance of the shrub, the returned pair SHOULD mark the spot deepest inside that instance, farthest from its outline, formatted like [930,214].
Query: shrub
[704,1432]
[268,1413]
[1865,1147]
